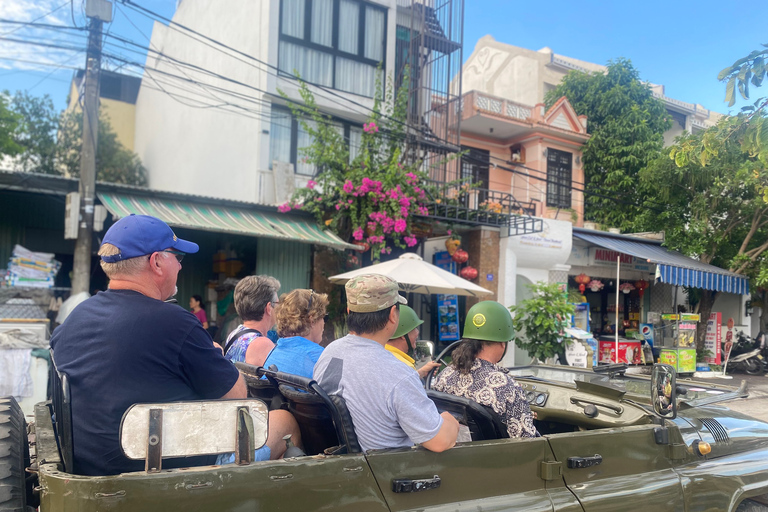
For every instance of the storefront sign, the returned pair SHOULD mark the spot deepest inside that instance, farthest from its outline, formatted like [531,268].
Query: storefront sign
[605,258]
[448,317]
[629,352]
[714,337]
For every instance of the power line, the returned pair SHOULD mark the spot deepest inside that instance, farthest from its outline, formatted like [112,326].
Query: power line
[34,20]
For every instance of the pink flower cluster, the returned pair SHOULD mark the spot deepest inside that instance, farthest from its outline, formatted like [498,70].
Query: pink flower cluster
[370,127]
[284,208]
[311,184]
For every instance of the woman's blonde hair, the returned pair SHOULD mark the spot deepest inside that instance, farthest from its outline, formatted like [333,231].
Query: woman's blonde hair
[298,311]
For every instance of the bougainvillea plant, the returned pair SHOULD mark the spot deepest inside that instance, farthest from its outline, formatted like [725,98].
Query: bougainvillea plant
[373,196]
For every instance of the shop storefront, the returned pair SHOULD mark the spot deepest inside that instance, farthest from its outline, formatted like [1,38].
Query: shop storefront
[634,286]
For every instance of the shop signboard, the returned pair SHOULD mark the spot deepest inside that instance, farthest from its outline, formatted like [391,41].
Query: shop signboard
[683,360]
[447,304]
[714,338]
[607,258]
[448,317]
[646,330]
[629,352]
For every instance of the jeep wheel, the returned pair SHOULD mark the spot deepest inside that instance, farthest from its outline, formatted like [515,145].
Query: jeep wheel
[14,457]
[751,506]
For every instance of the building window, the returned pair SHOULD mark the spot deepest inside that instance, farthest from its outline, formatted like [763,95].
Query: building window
[334,43]
[288,137]
[559,178]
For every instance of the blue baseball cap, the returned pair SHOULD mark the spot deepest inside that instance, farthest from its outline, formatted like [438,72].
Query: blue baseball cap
[139,235]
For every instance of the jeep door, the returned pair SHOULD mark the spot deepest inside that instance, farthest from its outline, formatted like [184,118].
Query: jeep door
[503,474]
[618,469]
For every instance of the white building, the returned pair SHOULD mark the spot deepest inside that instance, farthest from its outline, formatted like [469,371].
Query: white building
[525,76]
[216,129]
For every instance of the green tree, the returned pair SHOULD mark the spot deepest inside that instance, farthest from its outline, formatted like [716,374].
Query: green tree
[539,321]
[114,163]
[36,132]
[715,209]
[626,126]
[9,123]
[749,69]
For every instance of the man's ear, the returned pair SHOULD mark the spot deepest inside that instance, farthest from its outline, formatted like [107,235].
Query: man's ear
[154,263]
[394,317]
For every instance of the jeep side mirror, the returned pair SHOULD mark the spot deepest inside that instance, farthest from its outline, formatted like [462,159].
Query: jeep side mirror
[664,391]
[424,350]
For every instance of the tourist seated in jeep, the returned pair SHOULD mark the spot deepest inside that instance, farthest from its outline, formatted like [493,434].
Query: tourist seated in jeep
[474,372]
[300,320]
[404,339]
[255,302]
[126,346]
[385,398]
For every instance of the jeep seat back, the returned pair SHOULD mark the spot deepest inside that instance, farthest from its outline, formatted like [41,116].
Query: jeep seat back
[482,421]
[314,418]
[186,429]
[307,412]
[62,411]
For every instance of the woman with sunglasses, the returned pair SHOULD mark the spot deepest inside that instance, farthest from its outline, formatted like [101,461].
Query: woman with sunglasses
[300,320]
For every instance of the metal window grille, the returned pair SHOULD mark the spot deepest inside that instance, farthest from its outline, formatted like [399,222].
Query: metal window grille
[559,178]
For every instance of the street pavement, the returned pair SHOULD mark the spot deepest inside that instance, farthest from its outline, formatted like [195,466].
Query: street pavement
[756,404]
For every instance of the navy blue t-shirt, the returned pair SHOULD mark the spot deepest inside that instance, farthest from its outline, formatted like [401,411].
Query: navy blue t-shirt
[119,348]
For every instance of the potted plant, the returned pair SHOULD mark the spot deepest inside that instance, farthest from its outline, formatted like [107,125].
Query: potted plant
[626,288]
[595,285]
[540,320]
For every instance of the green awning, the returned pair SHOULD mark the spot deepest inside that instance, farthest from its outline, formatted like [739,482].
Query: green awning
[222,219]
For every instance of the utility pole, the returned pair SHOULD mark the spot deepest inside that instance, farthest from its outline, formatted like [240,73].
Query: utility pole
[98,11]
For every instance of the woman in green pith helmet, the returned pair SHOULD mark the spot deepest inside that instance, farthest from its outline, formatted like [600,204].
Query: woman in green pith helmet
[403,340]
[474,372]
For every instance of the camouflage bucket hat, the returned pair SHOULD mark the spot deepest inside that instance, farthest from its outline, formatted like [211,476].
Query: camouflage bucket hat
[372,292]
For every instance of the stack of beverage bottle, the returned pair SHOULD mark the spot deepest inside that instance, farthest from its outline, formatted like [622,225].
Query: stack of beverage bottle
[31,269]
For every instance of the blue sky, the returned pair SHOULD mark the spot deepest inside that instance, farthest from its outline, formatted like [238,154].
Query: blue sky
[681,44]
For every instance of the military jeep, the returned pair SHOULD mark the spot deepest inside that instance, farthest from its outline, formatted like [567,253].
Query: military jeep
[610,441]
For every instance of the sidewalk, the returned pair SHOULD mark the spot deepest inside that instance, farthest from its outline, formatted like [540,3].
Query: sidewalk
[756,405]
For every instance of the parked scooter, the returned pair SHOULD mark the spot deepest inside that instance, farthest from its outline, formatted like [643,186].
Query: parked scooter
[746,355]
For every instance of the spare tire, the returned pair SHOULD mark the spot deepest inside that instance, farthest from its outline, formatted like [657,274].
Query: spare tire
[14,457]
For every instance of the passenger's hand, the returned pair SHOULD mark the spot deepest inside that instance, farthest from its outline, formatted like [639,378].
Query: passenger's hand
[424,370]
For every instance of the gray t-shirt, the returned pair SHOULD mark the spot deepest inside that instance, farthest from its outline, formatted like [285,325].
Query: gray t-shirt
[385,397]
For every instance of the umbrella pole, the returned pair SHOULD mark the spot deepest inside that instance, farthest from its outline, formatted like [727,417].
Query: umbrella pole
[616,326]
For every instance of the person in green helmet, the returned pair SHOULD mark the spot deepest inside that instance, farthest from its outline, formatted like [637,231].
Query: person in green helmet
[474,372]
[404,339]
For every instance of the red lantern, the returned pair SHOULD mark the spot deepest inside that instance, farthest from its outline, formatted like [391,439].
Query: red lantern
[460,256]
[582,279]
[641,286]
[469,273]
[363,246]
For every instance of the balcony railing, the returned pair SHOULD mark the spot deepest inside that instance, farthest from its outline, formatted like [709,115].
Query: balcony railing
[463,203]
[473,103]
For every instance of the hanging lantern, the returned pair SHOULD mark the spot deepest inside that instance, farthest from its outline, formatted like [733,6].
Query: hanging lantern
[460,256]
[626,288]
[452,245]
[641,286]
[582,280]
[468,273]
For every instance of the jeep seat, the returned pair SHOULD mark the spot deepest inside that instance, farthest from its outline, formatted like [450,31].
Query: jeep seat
[482,421]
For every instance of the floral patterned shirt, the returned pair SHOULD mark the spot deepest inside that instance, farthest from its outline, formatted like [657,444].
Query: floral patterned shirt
[492,386]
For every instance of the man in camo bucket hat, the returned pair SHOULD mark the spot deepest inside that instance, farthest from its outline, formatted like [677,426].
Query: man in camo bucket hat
[372,292]
[385,398]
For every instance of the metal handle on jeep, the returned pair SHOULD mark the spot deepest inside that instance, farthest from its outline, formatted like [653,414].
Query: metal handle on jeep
[615,408]
[584,462]
[410,485]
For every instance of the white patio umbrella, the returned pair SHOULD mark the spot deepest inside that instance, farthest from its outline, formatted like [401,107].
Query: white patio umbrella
[415,275]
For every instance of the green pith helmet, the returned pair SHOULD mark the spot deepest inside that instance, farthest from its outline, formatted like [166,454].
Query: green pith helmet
[490,321]
[409,320]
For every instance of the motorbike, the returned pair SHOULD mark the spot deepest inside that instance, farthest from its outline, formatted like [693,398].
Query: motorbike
[748,355]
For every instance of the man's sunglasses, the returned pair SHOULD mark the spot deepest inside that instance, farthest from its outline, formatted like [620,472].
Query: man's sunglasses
[179,255]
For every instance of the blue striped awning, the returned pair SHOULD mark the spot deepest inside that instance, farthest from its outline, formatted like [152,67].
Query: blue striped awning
[673,267]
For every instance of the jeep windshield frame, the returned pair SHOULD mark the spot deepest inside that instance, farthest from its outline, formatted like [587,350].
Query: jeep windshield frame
[636,385]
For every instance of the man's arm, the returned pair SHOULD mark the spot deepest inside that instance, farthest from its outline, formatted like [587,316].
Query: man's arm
[239,390]
[446,437]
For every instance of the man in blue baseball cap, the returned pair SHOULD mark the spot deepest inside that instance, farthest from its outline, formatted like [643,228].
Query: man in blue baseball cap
[126,345]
